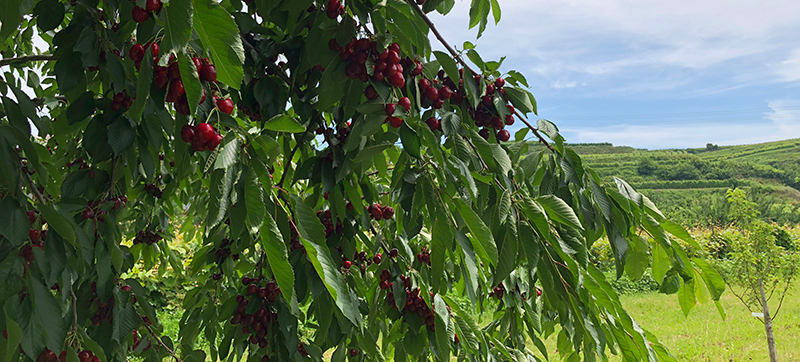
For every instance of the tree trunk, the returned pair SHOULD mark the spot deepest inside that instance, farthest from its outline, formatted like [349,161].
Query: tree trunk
[773,353]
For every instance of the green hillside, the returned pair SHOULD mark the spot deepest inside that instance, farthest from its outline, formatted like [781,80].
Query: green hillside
[690,184]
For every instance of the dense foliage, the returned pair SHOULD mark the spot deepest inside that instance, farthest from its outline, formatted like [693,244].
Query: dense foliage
[346,185]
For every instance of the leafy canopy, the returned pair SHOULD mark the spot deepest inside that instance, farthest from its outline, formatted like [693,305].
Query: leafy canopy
[330,223]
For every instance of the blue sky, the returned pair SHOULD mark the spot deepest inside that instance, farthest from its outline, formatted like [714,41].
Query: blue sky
[651,74]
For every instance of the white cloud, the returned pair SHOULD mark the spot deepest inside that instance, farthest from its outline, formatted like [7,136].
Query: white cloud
[789,69]
[589,38]
[563,84]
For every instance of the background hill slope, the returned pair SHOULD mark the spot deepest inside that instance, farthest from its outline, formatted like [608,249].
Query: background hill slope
[690,184]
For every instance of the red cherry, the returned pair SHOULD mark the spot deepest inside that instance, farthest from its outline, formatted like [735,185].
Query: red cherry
[445,93]
[353,351]
[509,120]
[377,258]
[85,356]
[87,214]
[136,53]
[161,79]
[395,47]
[173,71]
[197,145]
[389,109]
[139,15]
[393,57]
[31,215]
[424,84]
[214,142]
[405,103]
[208,73]
[252,289]
[197,64]
[384,284]
[503,135]
[387,212]
[154,49]
[187,133]
[417,70]
[489,89]
[62,357]
[176,90]
[152,5]
[182,105]
[370,92]
[484,133]
[395,122]
[432,94]
[433,123]
[347,264]
[397,80]
[203,132]
[35,235]
[499,83]
[203,98]
[225,105]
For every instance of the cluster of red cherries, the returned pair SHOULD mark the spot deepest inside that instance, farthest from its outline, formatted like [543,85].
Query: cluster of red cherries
[202,137]
[140,15]
[414,302]
[147,237]
[424,256]
[334,9]
[49,356]
[257,323]
[121,100]
[224,251]
[378,212]
[326,219]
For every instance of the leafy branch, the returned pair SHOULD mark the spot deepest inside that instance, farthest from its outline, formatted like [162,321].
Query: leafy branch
[25,59]
[458,58]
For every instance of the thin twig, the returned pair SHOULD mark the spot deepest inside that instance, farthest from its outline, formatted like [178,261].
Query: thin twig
[162,343]
[35,190]
[291,156]
[74,310]
[25,59]
[475,149]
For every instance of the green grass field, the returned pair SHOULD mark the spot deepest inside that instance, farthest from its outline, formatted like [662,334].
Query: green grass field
[704,336]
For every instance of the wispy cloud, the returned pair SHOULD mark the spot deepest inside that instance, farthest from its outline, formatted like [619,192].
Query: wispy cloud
[789,69]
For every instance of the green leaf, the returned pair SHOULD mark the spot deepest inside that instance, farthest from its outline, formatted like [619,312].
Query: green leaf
[227,152]
[284,123]
[58,222]
[15,116]
[496,11]
[120,135]
[14,224]
[410,140]
[441,241]
[196,356]
[476,58]
[680,232]
[712,279]
[686,296]
[638,259]
[448,64]
[218,202]
[49,314]
[177,25]
[143,81]
[519,98]
[548,128]
[191,81]
[451,123]
[14,338]
[10,16]
[482,238]
[275,249]
[558,210]
[49,14]
[254,202]
[313,237]
[220,35]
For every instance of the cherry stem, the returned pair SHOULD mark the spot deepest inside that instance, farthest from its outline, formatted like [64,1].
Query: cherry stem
[35,190]
[25,59]
[463,63]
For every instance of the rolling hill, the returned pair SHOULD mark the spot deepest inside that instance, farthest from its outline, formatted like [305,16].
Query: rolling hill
[690,184]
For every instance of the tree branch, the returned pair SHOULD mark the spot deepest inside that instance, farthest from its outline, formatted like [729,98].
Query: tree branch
[25,59]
